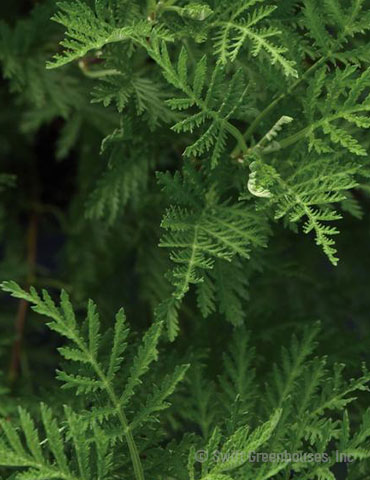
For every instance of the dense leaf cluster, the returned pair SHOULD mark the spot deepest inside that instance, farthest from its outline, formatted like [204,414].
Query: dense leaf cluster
[182,158]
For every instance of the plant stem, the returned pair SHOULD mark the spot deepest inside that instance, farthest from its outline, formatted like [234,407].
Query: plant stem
[249,132]
[134,454]
[151,8]
[20,320]
[84,67]
[295,137]
[286,142]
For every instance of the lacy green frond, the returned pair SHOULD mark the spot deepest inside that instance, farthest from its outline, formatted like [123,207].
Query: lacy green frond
[300,406]
[67,451]
[308,193]
[202,232]
[225,286]
[100,375]
[24,48]
[216,105]
[89,29]
[171,166]
[237,379]
[343,20]
[244,441]
[293,365]
[197,239]
[145,94]
[334,105]
[123,181]
[198,403]
[240,25]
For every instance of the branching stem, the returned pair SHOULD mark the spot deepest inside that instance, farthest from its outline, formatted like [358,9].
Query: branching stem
[251,129]
[134,454]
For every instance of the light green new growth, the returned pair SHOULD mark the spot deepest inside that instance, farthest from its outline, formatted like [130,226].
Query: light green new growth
[239,26]
[307,194]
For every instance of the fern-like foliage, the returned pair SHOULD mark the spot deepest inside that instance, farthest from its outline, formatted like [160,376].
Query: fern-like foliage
[302,405]
[241,24]
[307,193]
[146,94]
[198,404]
[215,99]
[67,451]
[89,29]
[299,407]
[225,289]
[23,51]
[200,230]
[334,105]
[216,107]
[97,375]
[238,376]
[123,181]
[345,21]
[221,231]
[246,442]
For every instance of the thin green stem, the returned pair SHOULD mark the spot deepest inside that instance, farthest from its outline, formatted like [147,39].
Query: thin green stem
[134,454]
[151,7]
[173,9]
[96,73]
[74,336]
[242,146]
[287,142]
[249,132]
[135,458]
[187,277]
[166,6]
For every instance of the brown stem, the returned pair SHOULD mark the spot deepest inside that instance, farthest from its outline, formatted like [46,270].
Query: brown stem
[20,320]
